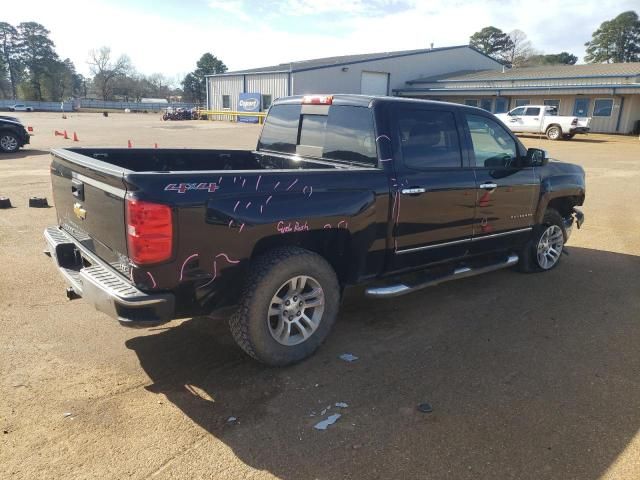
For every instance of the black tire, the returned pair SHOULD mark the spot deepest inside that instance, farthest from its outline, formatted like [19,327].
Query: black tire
[251,325]
[9,142]
[554,132]
[529,259]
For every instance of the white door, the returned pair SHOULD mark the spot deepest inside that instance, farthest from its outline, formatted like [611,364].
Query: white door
[532,119]
[374,83]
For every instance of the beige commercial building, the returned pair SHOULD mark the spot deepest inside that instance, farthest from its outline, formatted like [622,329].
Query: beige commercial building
[609,93]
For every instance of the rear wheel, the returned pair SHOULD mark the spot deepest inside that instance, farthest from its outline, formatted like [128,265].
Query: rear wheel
[544,250]
[554,132]
[287,308]
[9,142]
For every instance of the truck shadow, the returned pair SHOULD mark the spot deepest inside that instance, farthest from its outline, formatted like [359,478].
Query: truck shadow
[529,376]
[22,153]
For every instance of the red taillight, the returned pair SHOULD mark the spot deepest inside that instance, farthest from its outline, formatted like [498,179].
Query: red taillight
[317,99]
[29,129]
[149,231]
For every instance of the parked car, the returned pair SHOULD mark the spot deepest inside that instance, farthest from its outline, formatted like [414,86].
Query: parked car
[341,190]
[13,134]
[544,119]
[20,107]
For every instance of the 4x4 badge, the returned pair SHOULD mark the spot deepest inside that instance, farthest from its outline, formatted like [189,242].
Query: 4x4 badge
[80,212]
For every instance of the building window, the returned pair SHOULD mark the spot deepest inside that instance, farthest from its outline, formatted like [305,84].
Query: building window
[603,107]
[226,101]
[553,103]
[472,102]
[266,101]
[502,105]
[486,104]
[522,101]
[581,107]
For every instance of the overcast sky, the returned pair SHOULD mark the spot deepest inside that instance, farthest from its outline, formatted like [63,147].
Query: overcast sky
[169,36]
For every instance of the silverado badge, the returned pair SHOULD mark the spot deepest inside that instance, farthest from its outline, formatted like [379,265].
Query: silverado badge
[80,212]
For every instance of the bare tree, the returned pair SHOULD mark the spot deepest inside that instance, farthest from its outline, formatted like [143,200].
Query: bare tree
[106,71]
[519,51]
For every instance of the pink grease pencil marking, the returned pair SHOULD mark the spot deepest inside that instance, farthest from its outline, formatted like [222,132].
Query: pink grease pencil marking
[230,223]
[241,228]
[268,200]
[261,207]
[226,257]
[243,182]
[276,186]
[290,186]
[237,203]
[258,182]
[248,205]
[215,274]
[153,280]
[185,264]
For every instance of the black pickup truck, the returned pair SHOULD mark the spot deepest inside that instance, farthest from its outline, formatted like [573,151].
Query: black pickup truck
[13,134]
[341,190]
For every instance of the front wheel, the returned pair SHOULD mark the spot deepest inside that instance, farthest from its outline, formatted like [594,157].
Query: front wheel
[544,249]
[287,308]
[9,142]
[554,132]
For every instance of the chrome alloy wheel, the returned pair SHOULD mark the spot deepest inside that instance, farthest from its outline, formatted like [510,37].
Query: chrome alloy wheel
[550,247]
[8,143]
[296,310]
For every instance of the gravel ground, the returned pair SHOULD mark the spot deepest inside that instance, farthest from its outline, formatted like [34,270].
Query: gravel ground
[529,376]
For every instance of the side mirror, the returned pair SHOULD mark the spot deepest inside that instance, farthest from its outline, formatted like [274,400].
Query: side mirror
[536,157]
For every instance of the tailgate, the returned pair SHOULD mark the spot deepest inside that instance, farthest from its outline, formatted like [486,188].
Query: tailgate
[89,198]
[584,121]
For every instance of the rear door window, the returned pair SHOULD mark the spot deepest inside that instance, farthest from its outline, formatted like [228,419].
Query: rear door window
[346,134]
[429,139]
[280,131]
[350,135]
[532,112]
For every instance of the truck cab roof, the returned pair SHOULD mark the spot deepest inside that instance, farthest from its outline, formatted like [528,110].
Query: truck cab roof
[355,100]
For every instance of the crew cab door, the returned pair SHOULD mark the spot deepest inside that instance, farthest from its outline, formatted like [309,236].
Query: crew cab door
[507,190]
[514,119]
[531,120]
[433,195]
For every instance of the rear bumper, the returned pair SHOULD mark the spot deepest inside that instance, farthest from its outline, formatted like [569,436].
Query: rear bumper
[95,281]
[573,131]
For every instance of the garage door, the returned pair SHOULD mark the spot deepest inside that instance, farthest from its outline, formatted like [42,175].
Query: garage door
[374,83]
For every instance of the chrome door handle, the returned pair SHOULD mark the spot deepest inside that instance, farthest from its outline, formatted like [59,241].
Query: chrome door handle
[413,191]
[489,186]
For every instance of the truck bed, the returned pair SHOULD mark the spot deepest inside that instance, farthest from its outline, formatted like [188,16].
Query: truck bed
[190,160]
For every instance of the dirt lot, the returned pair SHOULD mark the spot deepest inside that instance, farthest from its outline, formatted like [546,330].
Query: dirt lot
[529,376]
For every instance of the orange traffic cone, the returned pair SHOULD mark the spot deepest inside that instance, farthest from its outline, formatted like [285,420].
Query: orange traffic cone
[129,144]
[56,133]
[75,137]
[66,137]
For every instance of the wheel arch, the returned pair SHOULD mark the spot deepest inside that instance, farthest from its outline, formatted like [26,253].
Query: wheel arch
[335,245]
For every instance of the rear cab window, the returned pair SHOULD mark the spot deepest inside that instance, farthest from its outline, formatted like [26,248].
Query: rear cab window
[337,132]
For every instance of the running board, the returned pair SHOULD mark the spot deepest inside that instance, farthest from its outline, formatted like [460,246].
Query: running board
[461,272]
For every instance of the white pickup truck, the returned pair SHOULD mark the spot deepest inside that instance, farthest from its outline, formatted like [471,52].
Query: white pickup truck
[544,119]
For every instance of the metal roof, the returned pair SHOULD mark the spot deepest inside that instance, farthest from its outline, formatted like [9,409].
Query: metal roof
[549,72]
[317,63]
